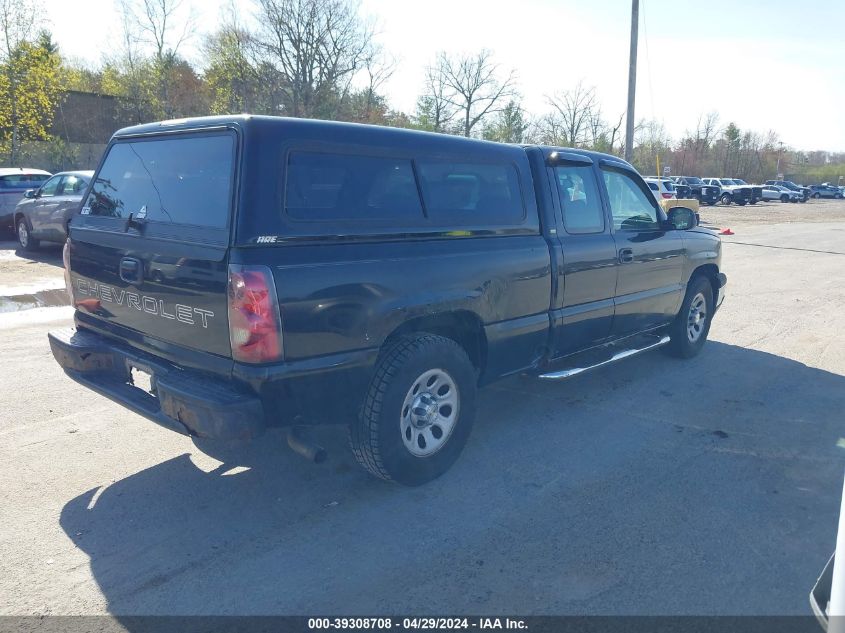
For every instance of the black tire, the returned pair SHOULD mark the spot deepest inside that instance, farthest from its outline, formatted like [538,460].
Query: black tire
[803,200]
[742,203]
[682,344]
[784,198]
[726,199]
[753,201]
[24,234]
[376,438]
[817,195]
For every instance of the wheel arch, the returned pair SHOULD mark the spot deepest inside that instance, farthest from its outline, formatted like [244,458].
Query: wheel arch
[709,272]
[462,326]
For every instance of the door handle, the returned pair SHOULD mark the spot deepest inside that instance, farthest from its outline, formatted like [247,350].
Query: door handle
[131,270]
[626,255]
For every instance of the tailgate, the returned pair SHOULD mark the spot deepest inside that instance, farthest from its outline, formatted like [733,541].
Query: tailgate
[149,250]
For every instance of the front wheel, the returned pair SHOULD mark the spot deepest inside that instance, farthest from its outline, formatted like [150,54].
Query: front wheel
[691,326]
[817,196]
[25,239]
[784,198]
[418,411]
[725,199]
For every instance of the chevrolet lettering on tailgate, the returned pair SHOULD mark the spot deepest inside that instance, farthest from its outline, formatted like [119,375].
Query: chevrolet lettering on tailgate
[156,307]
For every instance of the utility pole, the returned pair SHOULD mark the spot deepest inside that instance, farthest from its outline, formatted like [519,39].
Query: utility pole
[632,81]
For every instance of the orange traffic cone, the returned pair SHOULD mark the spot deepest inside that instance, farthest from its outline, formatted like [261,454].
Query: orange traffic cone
[726,232]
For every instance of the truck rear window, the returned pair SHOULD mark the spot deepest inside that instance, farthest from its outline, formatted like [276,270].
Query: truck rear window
[175,180]
[22,181]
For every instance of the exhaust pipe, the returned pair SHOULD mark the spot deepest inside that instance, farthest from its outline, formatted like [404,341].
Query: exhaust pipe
[300,444]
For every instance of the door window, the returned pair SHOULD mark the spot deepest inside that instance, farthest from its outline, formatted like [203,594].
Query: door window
[73,185]
[50,187]
[579,198]
[632,209]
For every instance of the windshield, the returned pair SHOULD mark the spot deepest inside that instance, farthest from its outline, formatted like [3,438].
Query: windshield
[178,180]
[694,181]
[740,181]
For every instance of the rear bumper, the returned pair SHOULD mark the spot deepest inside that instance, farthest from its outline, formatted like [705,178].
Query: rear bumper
[183,401]
[7,221]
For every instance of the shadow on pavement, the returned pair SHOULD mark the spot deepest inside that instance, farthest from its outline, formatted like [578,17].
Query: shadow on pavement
[46,253]
[653,487]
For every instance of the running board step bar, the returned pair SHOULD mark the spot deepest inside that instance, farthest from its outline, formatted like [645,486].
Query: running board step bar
[568,373]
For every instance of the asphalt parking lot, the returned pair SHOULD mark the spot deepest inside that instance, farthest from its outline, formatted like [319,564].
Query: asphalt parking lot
[654,486]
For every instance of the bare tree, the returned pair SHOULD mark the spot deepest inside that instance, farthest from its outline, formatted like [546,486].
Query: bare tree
[379,68]
[476,90]
[164,25]
[575,108]
[318,45]
[434,109]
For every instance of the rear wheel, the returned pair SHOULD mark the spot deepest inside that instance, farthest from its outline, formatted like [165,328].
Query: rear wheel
[418,411]
[25,239]
[784,198]
[725,199]
[691,326]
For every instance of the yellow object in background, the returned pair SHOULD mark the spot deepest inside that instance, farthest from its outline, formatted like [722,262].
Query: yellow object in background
[689,203]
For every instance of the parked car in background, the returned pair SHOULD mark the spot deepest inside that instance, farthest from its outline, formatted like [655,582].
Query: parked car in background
[14,183]
[729,191]
[824,191]
[661,188]
[44,213]
[756,190]
[804,191]
[773,192]
[704,193]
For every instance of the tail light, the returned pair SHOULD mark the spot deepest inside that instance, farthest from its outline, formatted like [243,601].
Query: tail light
[255,324]
[66,262]
[667,196]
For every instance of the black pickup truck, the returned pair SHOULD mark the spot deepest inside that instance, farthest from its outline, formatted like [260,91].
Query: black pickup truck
[235,273]
[705,194]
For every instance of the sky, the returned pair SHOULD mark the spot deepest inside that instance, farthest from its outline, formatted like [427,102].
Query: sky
[765,65]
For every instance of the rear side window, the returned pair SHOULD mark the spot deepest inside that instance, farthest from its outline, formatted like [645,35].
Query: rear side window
[174,180]
[350,187]
[22,181]
[470,193]
[579,196]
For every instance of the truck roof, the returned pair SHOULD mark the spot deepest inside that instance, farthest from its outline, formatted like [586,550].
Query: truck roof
[343,131]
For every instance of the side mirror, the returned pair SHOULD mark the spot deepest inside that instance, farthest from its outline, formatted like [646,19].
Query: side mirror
[682,218]
[29,193]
